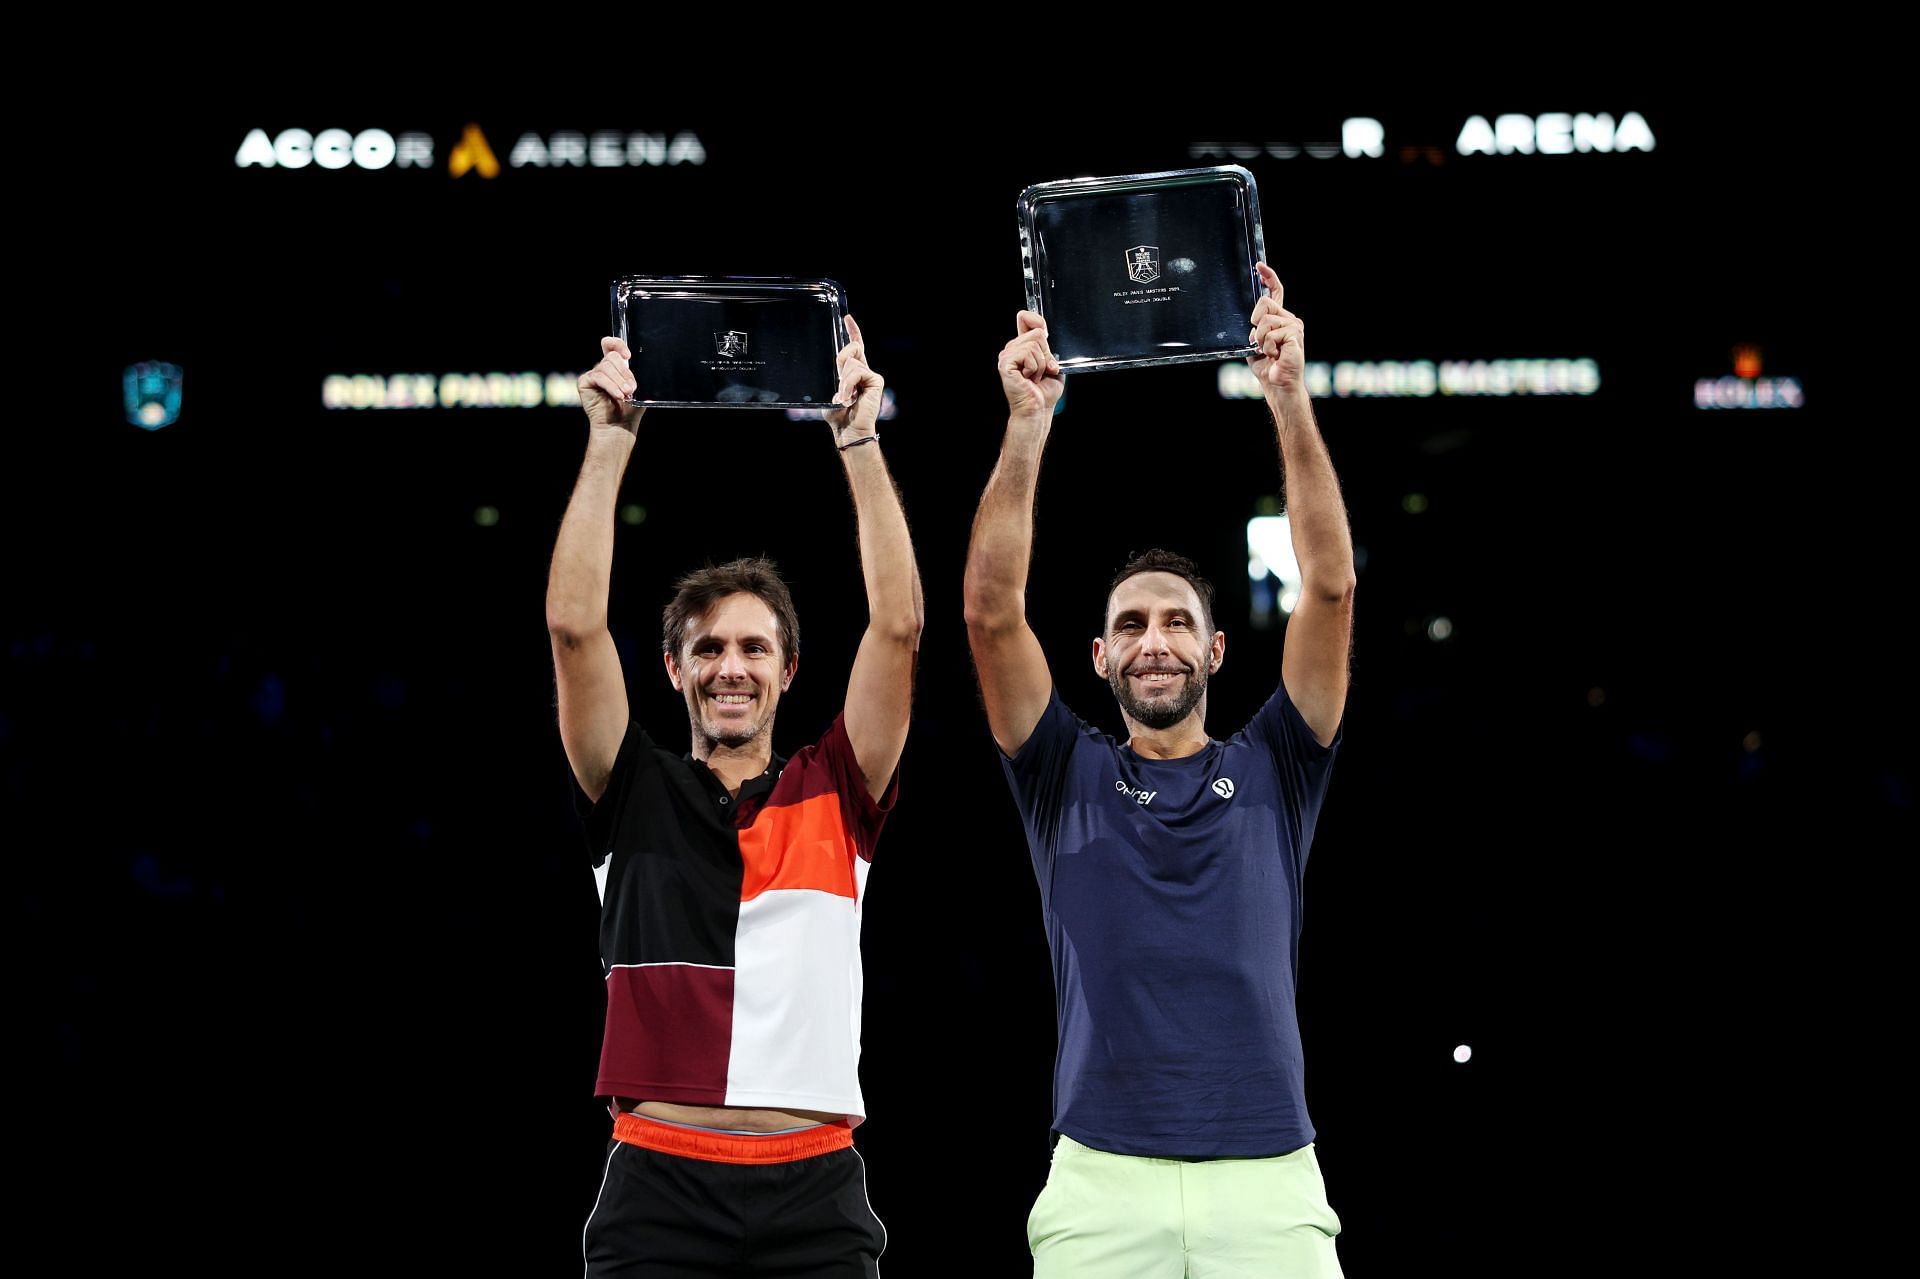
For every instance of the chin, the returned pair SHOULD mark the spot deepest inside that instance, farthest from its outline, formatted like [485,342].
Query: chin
[732,734]
[1160,712]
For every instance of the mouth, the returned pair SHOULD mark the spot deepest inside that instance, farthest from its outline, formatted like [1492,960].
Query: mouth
[1156,678]
[731,699]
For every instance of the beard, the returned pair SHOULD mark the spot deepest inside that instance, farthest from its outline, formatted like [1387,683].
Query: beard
[1161,712]
[733,734]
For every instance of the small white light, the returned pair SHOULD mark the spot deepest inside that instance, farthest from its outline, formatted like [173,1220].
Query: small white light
[1462,1053]
[1439,629]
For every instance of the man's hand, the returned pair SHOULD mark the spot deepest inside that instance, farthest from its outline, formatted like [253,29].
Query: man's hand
[1029,374]
[858,397]
[1281,360]
[604,389]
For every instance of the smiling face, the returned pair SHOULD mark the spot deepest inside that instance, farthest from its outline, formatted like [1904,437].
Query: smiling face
[731,671]
[1157,653]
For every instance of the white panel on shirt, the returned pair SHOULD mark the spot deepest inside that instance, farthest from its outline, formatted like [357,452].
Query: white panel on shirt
[796,1003]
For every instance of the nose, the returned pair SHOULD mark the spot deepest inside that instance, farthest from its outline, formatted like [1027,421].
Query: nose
[733,665]
[1154,640]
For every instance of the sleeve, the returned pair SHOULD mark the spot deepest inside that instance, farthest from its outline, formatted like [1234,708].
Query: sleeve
[864,814]
[1037,772]
[601,820]
[1302,765]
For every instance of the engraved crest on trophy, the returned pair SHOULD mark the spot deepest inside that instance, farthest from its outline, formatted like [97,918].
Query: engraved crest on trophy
[1188,239]
[728,341]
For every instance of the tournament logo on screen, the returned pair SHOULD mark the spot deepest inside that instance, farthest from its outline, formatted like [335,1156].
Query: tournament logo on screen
[1143,263]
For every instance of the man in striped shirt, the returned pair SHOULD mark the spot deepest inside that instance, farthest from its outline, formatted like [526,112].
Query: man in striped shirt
[731,879]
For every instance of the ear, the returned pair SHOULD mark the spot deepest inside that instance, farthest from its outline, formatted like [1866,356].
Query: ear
[673,671]
[1099,657]
[1218,649]
[786,676]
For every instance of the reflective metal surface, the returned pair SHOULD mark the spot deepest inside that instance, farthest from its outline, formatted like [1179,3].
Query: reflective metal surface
[1149,268]
[714,341]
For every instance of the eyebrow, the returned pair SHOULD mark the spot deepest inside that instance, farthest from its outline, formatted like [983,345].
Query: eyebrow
[706,637]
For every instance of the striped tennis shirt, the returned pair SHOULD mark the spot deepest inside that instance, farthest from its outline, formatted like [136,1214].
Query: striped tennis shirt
[730,927]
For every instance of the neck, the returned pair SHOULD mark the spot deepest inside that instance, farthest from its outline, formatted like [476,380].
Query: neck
[1176,741]
[735,765]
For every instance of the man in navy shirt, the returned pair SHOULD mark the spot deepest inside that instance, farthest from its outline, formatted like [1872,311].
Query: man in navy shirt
[1170,866]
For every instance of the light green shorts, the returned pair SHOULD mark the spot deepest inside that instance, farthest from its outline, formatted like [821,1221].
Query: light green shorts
[1106,1216]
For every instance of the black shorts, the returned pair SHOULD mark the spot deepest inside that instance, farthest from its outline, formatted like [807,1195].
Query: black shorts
[662,1216]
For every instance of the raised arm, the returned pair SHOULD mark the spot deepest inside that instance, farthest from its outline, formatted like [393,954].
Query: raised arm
[586,665]
[880,688]
[1320,633]
[1014,680]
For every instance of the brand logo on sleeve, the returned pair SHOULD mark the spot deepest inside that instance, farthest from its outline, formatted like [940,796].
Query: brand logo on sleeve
[1223,787]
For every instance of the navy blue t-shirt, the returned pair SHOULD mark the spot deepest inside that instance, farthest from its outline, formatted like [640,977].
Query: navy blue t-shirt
[1171,891]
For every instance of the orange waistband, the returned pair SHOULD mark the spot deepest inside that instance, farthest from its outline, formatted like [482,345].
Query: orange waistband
[731,1147]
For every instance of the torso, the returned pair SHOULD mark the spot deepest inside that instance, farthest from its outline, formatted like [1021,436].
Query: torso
[739,1118]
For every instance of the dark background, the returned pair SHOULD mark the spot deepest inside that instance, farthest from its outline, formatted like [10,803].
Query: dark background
[307,940]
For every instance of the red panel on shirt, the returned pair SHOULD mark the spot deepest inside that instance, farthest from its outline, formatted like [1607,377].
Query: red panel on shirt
[669,1032]
[803,845]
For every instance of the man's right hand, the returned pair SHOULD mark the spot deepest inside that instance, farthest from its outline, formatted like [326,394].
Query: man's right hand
[1029,374]
[604,389]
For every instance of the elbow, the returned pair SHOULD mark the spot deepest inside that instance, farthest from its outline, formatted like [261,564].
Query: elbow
[983,613]
[990,611]
[1335,588]
[991,623]
[902,629]
[568,628]
[573,613]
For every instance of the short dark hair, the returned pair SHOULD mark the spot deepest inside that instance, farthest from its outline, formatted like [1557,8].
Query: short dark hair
[1159,561]
[701,589]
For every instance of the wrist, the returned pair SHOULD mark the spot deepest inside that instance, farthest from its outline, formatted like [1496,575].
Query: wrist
[611,437]
[1286,400]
